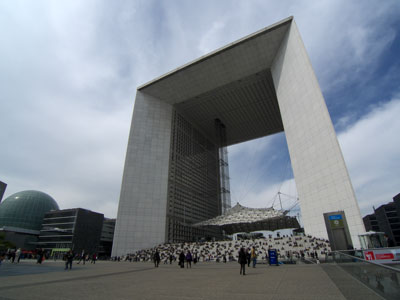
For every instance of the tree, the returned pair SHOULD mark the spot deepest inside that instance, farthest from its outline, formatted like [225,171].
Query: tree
[4,244]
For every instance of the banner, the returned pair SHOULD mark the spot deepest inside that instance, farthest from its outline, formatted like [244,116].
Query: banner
[383,256]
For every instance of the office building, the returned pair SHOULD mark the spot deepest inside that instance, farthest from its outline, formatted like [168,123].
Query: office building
[257,86]
[386,218]
[371,223]
[106,239]
[76,228]
[3,187]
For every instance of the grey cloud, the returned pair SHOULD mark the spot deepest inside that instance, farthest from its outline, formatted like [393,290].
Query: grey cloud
[69,72]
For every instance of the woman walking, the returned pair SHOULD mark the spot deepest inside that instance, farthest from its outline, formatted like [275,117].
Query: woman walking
[182,259]
[242,260]
[188,259]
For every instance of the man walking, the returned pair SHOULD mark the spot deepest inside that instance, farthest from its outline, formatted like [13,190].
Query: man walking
[156,258]
[82,257]
[69,257]
[242,260]
[254,257]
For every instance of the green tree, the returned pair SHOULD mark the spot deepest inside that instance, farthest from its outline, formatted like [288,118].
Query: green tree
[4,244]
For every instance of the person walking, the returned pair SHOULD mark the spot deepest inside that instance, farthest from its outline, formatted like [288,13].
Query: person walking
[18,255]
[242,261]
[69,257]
[2,256]
[156,258]
[254,257]
[188,259]
[39,256]
[248,257]
[94,258]
[13,255]
[82,257]
[182,259]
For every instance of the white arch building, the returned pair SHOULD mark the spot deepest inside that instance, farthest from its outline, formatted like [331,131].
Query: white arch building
[259,85]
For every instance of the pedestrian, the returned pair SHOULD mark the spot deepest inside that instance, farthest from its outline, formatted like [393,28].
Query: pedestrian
[69,257]
[18,255]
[156,258]
[82,257]
[182,259]
[248,257]
[94,258]
[389,241]
[39,256]
[12,255]
[242,261]
[254,257]
[188,259]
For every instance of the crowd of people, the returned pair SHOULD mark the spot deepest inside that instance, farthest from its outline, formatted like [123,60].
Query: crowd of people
[13,255]
[246,252]
[288,248]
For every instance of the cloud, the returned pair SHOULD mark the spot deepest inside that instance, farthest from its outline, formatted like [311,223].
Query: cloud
[257,166]
[209,40]
[345,39]
[69,72]
[371,152]
[369,147]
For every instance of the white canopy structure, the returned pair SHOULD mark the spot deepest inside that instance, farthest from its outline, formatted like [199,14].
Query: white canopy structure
[245,219]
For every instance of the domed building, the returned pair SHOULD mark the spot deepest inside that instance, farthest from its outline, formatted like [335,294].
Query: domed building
[21,216]
[26,209]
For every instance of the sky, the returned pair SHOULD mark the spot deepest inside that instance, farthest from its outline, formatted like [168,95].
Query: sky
[69,72]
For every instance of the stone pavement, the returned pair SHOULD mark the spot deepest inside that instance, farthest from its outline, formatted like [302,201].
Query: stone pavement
[124,280]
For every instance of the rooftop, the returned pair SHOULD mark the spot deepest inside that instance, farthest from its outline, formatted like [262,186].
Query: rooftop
[229,84]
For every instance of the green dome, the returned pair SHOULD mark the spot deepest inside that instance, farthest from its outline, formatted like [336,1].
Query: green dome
[26,209]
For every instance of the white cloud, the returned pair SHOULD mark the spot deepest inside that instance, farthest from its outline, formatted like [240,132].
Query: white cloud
[210,40]
[371,151]
[69,71]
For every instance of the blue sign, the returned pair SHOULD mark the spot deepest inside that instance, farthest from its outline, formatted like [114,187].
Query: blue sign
[335,217]
[273,257]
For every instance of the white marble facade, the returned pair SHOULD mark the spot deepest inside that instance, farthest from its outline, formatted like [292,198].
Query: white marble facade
[322,180]
[142,207]
[321,177]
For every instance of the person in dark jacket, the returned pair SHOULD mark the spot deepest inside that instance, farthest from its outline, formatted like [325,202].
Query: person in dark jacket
[40,254]
[242,260]
[69,257]
[94,258]
[248,257]
[188,259]
[182,259]
[156,259]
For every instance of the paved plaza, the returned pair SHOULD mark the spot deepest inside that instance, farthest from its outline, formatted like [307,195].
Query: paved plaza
[124,280]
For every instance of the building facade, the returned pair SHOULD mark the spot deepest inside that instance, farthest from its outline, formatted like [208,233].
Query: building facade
[21,216]
[371,223]
[3,187]
[106,239]
[257,86]
[77,229]
[386,218]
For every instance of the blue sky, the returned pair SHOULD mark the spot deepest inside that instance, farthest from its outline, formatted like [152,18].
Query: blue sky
[69,71]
